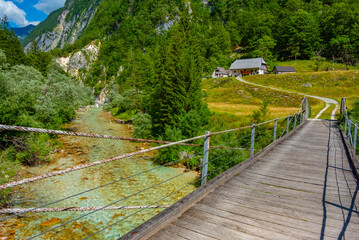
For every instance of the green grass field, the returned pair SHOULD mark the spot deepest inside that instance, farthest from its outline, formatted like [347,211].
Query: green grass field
[310,66]
[233,101]
[333,85]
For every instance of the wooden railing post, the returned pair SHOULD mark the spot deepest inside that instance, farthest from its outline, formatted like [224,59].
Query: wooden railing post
[288,124]
[305,108]
[349,135]
[343,106]
[355,138]
[295,119]
[253,133]
[205,159]
[275,129]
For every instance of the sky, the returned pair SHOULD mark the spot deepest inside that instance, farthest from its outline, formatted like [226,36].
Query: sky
[21,13]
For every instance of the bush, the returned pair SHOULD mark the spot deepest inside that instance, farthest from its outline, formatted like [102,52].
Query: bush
[170,154]
[143,126]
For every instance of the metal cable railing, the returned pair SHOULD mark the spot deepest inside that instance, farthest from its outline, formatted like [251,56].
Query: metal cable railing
[350,128]
[214,163]
[95,188]
[156,202]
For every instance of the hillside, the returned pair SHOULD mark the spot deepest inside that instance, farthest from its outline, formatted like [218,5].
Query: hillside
[63,26]
[23,32]
[274,29]
[333,85]
[233,102]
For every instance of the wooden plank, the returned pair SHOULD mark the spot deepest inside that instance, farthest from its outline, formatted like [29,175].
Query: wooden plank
[211,229]
[266,200]
[309,228]
[332,225]
[293,185]
[241,225]
[182,232]
[258,222]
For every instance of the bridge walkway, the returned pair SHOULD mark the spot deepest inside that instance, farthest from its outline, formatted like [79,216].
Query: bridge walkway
[302,189]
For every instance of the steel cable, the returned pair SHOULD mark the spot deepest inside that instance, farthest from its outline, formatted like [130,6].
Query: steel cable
[155,202]
[87,214]
[92,189]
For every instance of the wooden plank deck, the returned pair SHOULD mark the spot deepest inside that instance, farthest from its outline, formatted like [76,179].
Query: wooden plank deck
[302,189]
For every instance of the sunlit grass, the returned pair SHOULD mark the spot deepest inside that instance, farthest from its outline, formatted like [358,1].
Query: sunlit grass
[333,85]
[234,102]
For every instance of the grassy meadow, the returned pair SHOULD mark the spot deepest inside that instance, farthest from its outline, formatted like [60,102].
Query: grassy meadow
[311,66]
[234,101]
[333,84]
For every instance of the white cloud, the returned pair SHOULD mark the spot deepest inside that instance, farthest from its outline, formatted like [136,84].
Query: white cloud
[47,6]
[14,14]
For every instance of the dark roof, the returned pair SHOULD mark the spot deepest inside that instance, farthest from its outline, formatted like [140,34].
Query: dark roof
[284,69]
[248,63]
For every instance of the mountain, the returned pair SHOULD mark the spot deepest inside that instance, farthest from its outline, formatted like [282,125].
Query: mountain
[23,31]
[63,26]
[125,31]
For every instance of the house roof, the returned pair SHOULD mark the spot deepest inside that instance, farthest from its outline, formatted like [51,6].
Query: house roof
[248,63]
[223,70]
[284,69]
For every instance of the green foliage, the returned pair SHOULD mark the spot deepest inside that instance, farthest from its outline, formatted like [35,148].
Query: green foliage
[354,112]
[143,126]
[170,154]
[8,168]
[10,44]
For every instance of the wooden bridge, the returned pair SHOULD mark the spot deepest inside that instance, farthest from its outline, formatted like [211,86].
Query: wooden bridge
[301,187]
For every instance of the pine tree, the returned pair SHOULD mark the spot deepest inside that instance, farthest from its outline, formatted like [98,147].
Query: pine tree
[10,43]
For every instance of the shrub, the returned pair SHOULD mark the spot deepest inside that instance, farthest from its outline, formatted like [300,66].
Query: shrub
[143,126]
[170,154]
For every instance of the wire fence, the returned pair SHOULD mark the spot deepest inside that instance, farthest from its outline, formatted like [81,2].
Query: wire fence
[241,143]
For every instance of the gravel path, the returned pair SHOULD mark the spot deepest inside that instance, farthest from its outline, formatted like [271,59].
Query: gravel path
[327,101]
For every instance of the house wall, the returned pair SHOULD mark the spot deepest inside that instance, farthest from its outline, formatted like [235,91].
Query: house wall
[252,71]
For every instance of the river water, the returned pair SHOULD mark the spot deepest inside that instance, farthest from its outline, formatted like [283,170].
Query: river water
[75,151]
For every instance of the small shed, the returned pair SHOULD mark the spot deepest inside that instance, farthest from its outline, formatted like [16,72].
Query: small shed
[283,69]
[220,72]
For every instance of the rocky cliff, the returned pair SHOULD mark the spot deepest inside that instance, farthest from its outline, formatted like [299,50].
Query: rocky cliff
[79,62]
[70,23]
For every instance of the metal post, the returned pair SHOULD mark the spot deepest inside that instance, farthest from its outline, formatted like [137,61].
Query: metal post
[288,124]
[275,129]
[253,138]
[350,131]
[295,119]
[355,138]
[205,159]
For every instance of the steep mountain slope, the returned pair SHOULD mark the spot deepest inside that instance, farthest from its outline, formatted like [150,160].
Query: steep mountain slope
[63,26]
[22,32]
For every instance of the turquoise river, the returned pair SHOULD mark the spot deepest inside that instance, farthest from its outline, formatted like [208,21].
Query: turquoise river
[75,151]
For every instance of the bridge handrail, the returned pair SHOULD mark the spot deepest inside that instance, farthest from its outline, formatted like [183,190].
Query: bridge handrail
[350,128]
[291,121]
